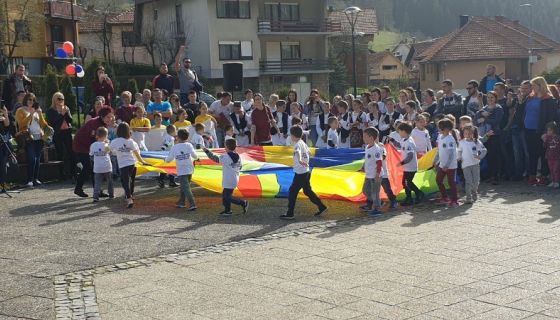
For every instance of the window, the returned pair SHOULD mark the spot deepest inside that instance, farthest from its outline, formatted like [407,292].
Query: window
[423,71]
[236,50]
[290,50]
[179,19]
[437,71]
[155,15]
[281,11]
[57,33]
[130,39]
[389,67]
[233,9]
[22,30]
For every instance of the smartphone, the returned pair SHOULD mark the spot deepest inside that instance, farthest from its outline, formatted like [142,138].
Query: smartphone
[36,105]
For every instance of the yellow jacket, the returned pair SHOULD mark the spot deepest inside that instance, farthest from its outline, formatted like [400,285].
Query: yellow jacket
[24,118]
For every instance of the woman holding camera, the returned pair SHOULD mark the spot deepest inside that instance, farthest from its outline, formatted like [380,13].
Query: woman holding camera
[6,130]
[103,86]
[59,118]
[31,123]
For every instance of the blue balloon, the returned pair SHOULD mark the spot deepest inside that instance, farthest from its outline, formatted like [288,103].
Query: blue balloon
[60,53]
[79,68]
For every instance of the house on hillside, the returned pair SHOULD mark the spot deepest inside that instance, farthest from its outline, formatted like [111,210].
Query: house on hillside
[463,54]
[278,43]
[341,42]
[384,66]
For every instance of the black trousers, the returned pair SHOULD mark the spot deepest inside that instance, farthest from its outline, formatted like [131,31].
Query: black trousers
[494,156]
[63,146]
[386,184]
[128,176]
[228,199]
[302,181]
[409,185]
[85,173]
[3,163]
[536,153]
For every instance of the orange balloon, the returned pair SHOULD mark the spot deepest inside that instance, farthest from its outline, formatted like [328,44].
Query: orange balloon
[71,70]
[68,47]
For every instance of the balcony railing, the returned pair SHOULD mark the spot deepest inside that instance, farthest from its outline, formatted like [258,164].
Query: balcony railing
[293,65]
[62,9]
[270,26]
[51,48]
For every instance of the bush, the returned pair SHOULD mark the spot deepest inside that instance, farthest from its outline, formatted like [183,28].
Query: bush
[69,96]
[148,85]
[50,85]
[552,75]
[132,86]
[282,92]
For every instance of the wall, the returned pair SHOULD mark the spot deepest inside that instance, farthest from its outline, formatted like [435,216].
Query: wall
[461,72]
[548,62]
[378,72]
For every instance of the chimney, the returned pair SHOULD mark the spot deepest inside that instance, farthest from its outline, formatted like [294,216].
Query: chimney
[463,20]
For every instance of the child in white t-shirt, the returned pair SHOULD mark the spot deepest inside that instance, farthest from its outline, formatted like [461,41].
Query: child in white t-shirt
[333,140]
[409,162]
[184,154]
[471,151]
[231,168]
[277,138]
[196,138]
[168,143]
[228,132]
[421,136]
[447,167]
[373,165]
[102,167]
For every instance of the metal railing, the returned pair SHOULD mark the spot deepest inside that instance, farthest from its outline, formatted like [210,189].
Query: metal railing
[62,9]
[268,25]
[267,66]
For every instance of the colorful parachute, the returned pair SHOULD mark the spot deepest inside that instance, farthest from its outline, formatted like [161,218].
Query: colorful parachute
[267,172]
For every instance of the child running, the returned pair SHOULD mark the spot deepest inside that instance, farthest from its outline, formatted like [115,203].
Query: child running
[167,144]
[102,167]
[409,162]
[447,153]
[302,176]
[183,153]
[471,151]
[373,166]
[231,163]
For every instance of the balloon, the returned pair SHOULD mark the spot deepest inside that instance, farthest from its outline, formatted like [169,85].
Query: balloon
[81,74]
[68,47]
[60,53]
[70,70]
[79,68]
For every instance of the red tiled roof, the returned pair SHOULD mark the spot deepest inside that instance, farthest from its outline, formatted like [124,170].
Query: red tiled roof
[93,20]
[484,38]
[126,17]
[366,23]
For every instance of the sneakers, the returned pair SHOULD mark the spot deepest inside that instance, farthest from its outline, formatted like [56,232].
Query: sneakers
[37,183]
[173,184]
[161,184]
[321,211]
[192,208]
[453,204]
[30,184]
[180,206]
[80,193]
[551,185]
[365,208]
[443,201]
[408,202]
[532,180]
[375,213]
[226,214]
[542,181]
[286,217]
[394,204]
[103,195]
[420,197]
[95,200]
[468,201]
[129,203]
[245,206]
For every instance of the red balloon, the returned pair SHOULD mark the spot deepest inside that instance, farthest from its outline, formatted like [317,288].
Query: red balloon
[71,70]
[68,47]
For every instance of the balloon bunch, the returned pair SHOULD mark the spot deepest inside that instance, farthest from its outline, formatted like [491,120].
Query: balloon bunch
[65,52]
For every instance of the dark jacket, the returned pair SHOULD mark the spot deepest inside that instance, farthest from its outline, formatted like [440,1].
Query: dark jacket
[548,112]
[482,86]
[164,82]
[494,119]
[55,120]
[451,105]
[9,90]
[104,89]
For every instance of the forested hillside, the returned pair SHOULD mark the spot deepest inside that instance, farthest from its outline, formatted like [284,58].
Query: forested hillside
[431,18]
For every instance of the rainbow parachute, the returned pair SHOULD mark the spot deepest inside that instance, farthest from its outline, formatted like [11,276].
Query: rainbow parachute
[267,172]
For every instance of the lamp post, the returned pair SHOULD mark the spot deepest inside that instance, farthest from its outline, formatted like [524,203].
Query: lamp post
[530,6]
[352,16]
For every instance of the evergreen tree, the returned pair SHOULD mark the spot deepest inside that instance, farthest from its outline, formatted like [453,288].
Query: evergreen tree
[50,84]
[88,79]
[148,85]
[133,86]
[69,96]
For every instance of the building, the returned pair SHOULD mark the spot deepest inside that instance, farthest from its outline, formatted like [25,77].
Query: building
[341,42]
[279,44]
[384,66]
[33,30]
[463,54]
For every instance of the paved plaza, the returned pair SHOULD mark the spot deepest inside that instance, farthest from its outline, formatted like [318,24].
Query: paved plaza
[63,257]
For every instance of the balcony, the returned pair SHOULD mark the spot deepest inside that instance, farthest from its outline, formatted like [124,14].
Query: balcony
[294,66]
[51,48]
[62,10]
[267,26]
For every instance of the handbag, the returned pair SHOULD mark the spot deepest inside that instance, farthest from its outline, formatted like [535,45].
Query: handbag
[22,138]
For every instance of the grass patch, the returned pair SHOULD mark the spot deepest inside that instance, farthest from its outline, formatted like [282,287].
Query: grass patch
[386,40]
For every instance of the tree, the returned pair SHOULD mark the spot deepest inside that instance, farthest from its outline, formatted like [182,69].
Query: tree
[148,85]
[133,86]
[552,75]
[70,97]
[50,84]
[88,79]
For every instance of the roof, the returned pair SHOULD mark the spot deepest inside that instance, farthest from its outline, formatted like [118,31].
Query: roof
[366,23]
[484,38]
[377,58]
[125,17]
[93,20]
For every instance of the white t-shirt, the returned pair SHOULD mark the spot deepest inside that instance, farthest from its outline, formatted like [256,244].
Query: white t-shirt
[197,140]
[447,148]
[168,142]
[278,140]
[124,150]
[372,155]
[101,157]
[408,146]
[184,155]
[384,169]
[468,150]
[228,137]
[301,153]
[230,171]
[333,136]
[422,140]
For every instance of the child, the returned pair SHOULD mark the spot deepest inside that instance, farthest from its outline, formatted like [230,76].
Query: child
[409,163]
[128,153]
[465,121]
[231,166]
[302,176]
[373,165]
[343,118]
[102,167]
[372,118]
[447,153]
[167,144]
[410,111]
[471,151]
[357,120]
[385,182]
[210,124]
[241,123]
[332,136]
[158,120]
[140,125]
[296,122]
[281,118]
[322,125]
[552,152]
[197,139]
[182,121]
[433,129]
[421,136]
[391,112]
[295,112]
[277,138]
[183,153]
[112,135]
[228,132]
[272,101]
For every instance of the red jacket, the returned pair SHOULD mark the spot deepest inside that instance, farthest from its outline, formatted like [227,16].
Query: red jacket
[261,119]
[104,89]
[85,136]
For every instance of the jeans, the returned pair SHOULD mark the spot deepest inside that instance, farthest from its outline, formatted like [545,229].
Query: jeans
[520,154]
[371,191]
[536,152]
[386,184]
[63,145]
[185,191]
[409,186]
[302,181]
[220,135]
[494,156]
[85,160]
[228,199]
[472,181]
[313,134]
[33,151]
[98,184]
[128,175]
[450,174]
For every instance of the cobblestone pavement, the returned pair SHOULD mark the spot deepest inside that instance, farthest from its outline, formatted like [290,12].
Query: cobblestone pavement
[499,259]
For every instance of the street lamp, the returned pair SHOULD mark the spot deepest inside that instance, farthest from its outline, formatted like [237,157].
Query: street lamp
[530,6]
[352,16]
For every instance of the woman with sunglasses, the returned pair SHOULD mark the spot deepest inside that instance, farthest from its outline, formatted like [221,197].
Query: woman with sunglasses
[59,118]
[31,122]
